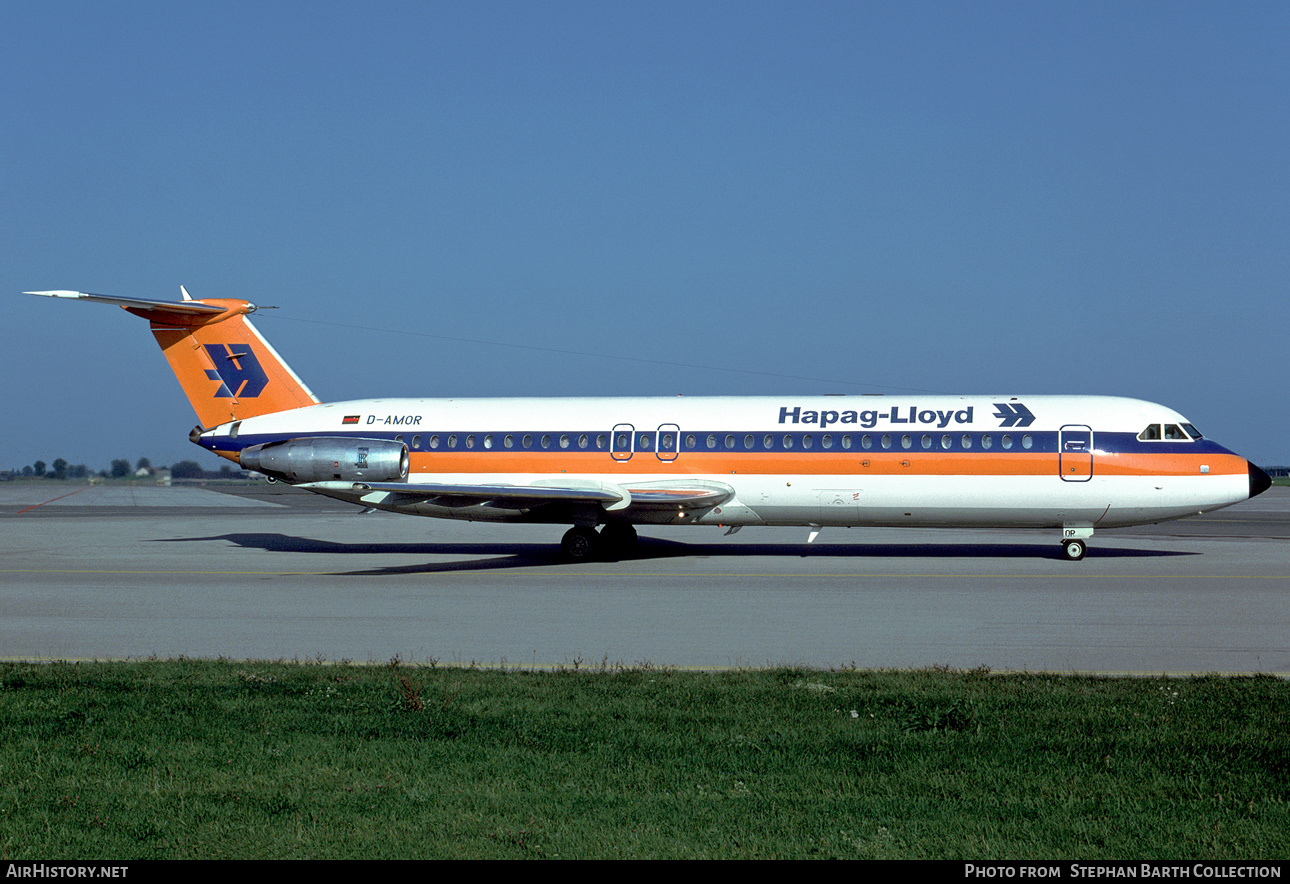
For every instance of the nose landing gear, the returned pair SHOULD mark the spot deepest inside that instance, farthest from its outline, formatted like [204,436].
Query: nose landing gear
[1075,541]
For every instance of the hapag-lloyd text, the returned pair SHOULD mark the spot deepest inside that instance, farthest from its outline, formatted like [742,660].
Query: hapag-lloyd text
[870,418]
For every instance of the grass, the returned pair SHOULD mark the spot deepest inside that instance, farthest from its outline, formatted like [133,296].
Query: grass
[188,759]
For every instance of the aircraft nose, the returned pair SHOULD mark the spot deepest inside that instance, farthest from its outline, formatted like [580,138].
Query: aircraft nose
[1259,480]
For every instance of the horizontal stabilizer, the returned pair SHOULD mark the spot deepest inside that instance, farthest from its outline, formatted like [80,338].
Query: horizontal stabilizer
[192,308]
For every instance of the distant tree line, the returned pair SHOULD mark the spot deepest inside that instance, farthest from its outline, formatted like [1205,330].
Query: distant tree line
[119,469]
[59,469]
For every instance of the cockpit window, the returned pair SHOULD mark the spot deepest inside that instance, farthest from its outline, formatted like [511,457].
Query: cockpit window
[1169,433]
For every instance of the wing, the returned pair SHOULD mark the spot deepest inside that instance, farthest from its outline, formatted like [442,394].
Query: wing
[645,496]
[506,496]
[696,494]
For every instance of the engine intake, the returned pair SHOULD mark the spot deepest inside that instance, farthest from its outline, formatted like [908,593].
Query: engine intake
[327,458]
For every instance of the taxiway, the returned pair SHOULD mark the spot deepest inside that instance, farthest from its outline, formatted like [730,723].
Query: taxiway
[266,572]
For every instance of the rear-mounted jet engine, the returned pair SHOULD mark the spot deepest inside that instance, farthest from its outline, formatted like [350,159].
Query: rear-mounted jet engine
[328,458]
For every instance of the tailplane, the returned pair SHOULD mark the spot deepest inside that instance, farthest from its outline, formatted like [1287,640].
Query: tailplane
[226,368]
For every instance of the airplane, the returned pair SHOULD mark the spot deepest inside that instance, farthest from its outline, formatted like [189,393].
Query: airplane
[606,465]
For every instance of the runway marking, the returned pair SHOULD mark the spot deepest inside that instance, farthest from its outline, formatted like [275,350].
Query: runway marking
[52,499]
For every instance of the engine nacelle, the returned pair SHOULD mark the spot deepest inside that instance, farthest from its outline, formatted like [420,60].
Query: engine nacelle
[328,458]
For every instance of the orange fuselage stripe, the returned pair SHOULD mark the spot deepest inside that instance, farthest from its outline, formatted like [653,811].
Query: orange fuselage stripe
[852,463]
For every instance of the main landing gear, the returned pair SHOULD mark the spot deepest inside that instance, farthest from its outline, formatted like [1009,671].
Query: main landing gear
[581,544]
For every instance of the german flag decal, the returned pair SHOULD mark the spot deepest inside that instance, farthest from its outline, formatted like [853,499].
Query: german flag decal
[350,419]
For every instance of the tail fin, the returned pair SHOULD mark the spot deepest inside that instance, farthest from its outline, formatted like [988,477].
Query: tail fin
[227,370]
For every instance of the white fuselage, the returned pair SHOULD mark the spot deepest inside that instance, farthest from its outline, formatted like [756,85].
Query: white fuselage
[1028,461]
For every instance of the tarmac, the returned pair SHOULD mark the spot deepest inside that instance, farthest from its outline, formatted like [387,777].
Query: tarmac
[132,571]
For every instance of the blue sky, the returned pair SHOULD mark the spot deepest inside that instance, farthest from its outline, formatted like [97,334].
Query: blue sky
[492,199]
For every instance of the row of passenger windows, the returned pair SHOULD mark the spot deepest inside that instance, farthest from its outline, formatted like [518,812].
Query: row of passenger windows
[490,440]
[667,442]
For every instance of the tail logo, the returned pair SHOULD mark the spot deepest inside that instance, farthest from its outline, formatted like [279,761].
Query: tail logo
[238,372]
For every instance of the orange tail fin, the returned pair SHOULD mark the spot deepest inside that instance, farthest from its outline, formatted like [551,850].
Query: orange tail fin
[227,370]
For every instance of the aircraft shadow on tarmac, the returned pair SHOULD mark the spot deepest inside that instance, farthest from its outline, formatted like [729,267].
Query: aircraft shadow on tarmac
[528,555]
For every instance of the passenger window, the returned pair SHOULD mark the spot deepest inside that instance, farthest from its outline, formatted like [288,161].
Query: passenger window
[768,441]
[807,441]
[434,441]
[788,441]
[987,441]
[1006,442]
[886,441]
[906,441]
[1026,441]
[826,441]
[416,441]
[527,441]
[583,441]
[967,440]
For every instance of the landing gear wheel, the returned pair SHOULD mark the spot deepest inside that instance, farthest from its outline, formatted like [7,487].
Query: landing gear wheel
[618,539]
[579,544]
[1074,550]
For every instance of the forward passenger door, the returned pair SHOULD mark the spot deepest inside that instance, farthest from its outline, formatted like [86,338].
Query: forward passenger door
[1075,453]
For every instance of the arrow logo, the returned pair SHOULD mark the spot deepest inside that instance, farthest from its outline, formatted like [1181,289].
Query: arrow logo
[1013,415]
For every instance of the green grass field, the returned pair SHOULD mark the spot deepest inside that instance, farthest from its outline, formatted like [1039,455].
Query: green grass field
[220,759]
